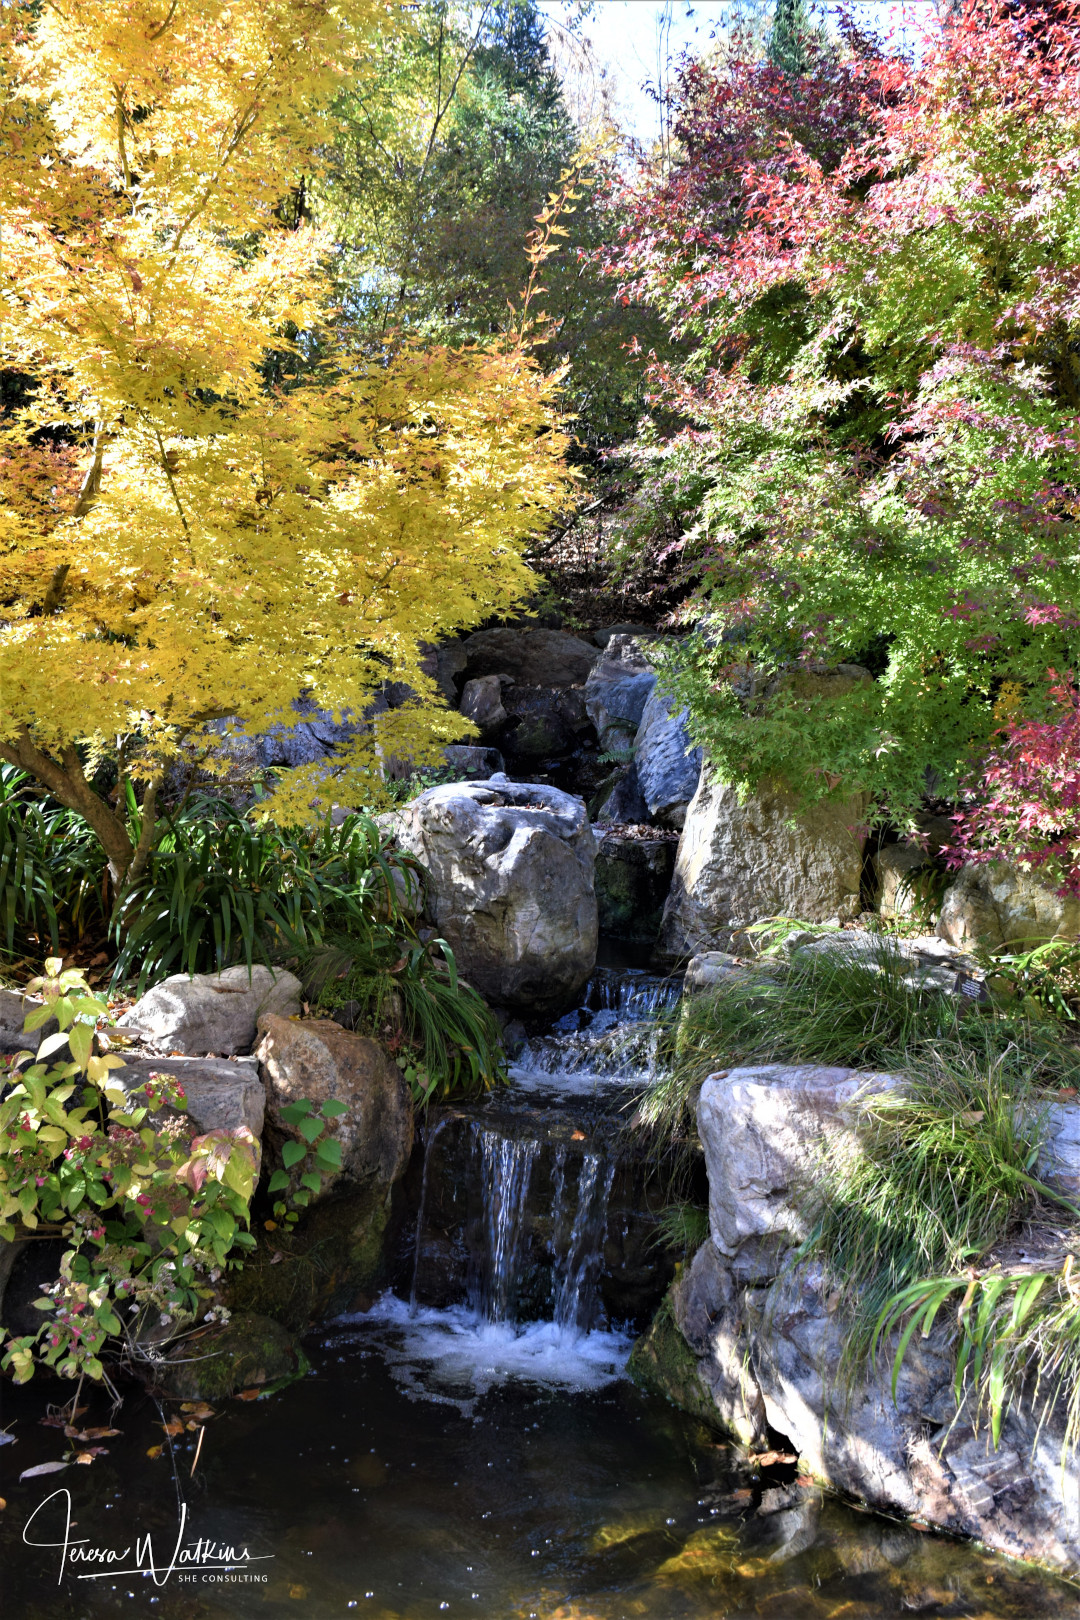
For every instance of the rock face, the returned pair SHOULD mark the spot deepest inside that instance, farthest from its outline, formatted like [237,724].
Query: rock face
[668,766]
[619,685]
[706,971]
[997,904]
[633,876]
[539,722]
[14,1010]
[317,1059]
[512,877]
[897,868]
[472,764]
[534,657]
[213,1012]
[768,1336]
[624,803]
[220,1095]
[481,702]
[738,863]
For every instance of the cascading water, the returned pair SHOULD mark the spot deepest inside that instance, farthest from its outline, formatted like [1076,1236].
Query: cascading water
[575,1294]
[507,1167]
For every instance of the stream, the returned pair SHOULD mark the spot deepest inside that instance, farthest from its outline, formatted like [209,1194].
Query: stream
[470,1444]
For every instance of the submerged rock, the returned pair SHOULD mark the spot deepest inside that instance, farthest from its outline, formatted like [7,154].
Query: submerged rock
[512,866]
[213,1012]
[249,1351]
[738,863]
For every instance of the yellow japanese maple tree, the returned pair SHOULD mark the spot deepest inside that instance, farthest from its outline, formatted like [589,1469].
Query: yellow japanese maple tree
[180,539]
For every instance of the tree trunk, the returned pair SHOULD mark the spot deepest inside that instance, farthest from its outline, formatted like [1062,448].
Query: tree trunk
[65,781]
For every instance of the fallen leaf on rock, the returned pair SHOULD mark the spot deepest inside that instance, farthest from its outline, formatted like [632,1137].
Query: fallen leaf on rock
[805,1480]
[42,1468]
[577,1136]
[770,1459]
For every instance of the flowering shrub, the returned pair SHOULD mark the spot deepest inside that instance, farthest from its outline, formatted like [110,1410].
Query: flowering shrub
[873,267]
[150,1212]
[1026,794]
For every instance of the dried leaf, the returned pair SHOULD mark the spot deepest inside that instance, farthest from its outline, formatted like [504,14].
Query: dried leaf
[770,1459]
[198,1409]
[99,1434]
[276,1258]
[85,1456]
[155,1451]
[173,1427]
[249,1394]
[42,1468]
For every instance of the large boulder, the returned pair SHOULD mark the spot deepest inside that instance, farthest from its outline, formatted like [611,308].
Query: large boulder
[998,904]
[316,1059]
[213,1012]
[616,692]
[540,722]
[14,1010]
[668,765]
[481,702]
[534,657]
[738,863]
[622,801]
[244,1352]
[511,865]
[219,1095]
[769,1333]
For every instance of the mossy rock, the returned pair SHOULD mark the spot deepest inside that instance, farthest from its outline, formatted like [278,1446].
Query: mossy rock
[333,1259]
[663,1363]
[248,1351]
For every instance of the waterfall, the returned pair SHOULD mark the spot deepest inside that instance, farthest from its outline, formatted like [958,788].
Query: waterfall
[575,1292]
[507,1166]
[429,1145]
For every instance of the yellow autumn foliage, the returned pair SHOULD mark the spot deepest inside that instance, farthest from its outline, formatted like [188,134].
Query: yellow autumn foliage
[180,541]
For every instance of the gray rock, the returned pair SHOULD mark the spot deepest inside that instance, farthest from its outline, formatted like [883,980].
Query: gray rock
[640,632]
[213,1012]
[706,971]
[512,866]
[633,876]
[668,765]
[481,702]
[768,1132]
[998,904]
[896,867]
[619,685]
[314,1058]
[739,863]
[534,657]
[14,1009]
[220,1095]
[770,1333]
[625,802]
[471,763]
[539,724]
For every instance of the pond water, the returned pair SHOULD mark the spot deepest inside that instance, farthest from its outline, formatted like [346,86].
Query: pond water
[471,1445]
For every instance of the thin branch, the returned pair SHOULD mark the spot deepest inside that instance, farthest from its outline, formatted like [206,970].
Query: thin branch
[92,480]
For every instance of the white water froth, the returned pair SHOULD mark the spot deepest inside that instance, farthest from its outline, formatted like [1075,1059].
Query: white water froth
[453,1356]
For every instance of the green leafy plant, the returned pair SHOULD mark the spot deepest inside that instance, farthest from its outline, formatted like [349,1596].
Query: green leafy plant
[50,863]
[150,1213]
[1045,979]
[221,888]
[682,1226]
[1018,1340]
[308,1161]
[441,1033]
